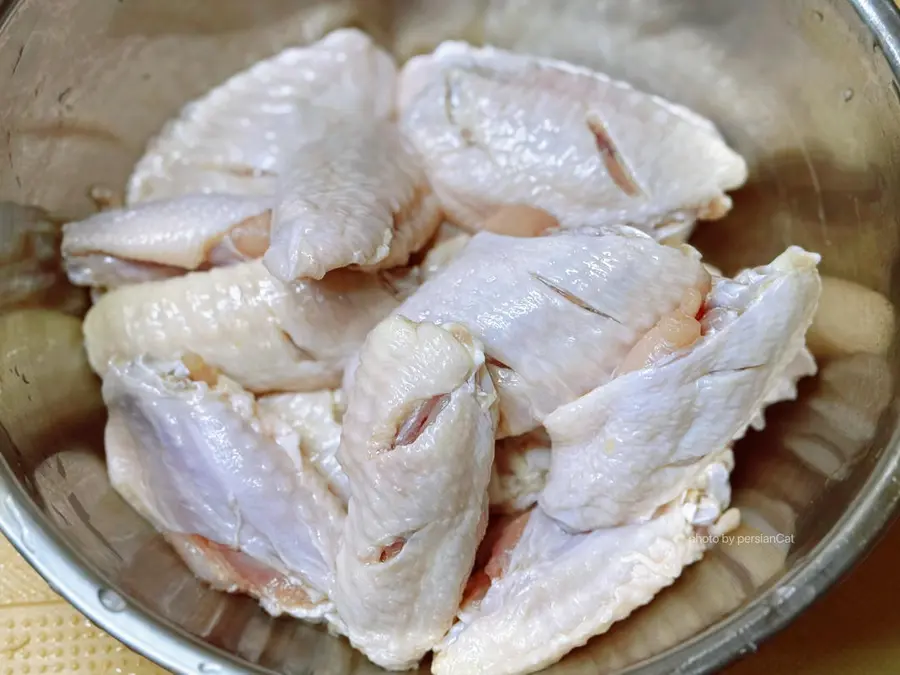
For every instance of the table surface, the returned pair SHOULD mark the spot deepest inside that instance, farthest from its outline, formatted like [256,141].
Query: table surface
[855,628]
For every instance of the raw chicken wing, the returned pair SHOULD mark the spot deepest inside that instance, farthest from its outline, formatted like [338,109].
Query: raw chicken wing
[162,239]
[358,197]
[499,128]
[417,445]
[231,571]
[634,444]
[266,335]
[550,591]
[237,138]
[556,313]
[192,458]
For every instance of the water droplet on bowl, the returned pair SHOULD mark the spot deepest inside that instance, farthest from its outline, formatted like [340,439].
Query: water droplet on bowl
[112,600]
[208,668]
[847,95]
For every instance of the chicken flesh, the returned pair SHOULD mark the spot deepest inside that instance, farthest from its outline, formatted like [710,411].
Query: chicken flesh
[237,138]
[417,446]
[556,313]
[231,571]
[499,128]
[266,335]
[193,459]
[161,239]
[633,444]
[358,197]
[552,591]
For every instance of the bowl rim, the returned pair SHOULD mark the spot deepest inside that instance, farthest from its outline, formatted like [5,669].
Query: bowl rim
[867,517]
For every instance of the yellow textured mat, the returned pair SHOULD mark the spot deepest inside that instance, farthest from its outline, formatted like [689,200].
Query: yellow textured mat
[40,633]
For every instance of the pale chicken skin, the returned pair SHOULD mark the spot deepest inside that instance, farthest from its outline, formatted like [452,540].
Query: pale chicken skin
[359,197]
[193,459]
[499,128]
[165,238]
[550,591]
[266,335]
[417,446]
[237,138]
[309,424]
[519,474]
[632,445]
[556,313]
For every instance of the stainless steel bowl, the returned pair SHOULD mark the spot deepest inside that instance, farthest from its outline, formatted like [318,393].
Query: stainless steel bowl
[804,89]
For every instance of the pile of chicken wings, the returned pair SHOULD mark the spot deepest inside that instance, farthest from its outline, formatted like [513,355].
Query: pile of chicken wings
[422,353]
